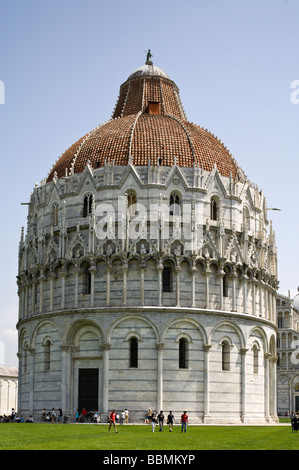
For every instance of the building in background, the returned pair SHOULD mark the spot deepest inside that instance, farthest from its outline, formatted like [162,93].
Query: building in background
[288,354]
[148,272]
[8,390]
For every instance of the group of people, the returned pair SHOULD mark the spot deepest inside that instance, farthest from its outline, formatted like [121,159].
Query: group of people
[159,419]
[15,418]
[52,416]
[84,416]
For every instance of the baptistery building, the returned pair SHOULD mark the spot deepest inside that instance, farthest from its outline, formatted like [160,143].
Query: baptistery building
[148,272]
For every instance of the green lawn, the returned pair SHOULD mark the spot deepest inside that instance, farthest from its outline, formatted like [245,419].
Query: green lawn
[52,436]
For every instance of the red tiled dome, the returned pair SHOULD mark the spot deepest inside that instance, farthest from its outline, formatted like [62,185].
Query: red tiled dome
[149,126]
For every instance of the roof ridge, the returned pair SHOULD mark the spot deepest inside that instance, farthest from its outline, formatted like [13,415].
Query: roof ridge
[132,132]
[84,141]
[188,135]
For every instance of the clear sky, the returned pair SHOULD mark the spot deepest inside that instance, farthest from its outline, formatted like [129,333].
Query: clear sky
[62,63]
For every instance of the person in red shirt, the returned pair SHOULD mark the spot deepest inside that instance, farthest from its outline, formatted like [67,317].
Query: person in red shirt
[112,420]
[184,421]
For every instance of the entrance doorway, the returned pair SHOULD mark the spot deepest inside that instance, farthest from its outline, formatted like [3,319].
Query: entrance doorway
[88,393]
[296,403]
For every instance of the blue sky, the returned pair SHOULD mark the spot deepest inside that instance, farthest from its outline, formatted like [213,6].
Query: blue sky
[62,62]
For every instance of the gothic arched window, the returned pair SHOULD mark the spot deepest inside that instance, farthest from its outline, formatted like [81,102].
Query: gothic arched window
[255,359]
[132,201]
[183,354]
[225,355]
[86,280]
[55,214]
[166,280]
[213,209]
[133,352]
[174,204]
[246,219]
[47,355]
[87,205]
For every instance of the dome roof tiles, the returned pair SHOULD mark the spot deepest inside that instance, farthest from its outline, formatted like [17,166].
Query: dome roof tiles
[148,126]
[147,139]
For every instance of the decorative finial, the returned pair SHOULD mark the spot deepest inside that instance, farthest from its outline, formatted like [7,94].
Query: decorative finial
[149,56]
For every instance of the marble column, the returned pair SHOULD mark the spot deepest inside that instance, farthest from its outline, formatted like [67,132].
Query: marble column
[63,275]
[178,270]
[234,292]
[142,271]
[52,277]
[160,347]
[267,396]
[66,378]
[31,380]
[245,279]
[253,297]
[41,293]
[76,271]
[206,404]
[93,271]
[243,384]
[221,277]
[193,292]
[108,283]
[125,276]
[33,298]
[105,348]
[160,271]
[207,274]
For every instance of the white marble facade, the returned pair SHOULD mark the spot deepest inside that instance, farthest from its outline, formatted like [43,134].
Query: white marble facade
[204,329]
[8,390]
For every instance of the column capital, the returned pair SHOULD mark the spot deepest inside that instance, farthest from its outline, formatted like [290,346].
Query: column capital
[243,351]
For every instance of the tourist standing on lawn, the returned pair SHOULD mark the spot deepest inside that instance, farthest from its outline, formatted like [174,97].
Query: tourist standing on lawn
[170,420]
[153,421]
[184,421]
[112,421]
[161,420]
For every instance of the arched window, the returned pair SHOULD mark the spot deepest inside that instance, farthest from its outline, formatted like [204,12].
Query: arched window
[225,286]
[132,201]
[255,359]
[167,285]
[55,214]
[86,280]
[213,209]
[278,342]
[183,354]
[174,205]
[133,352]
[246,218]
[225,355]
[278,360]
[87,205]
[47,355]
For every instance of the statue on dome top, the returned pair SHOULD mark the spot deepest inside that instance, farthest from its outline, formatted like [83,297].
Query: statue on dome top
[149,56]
